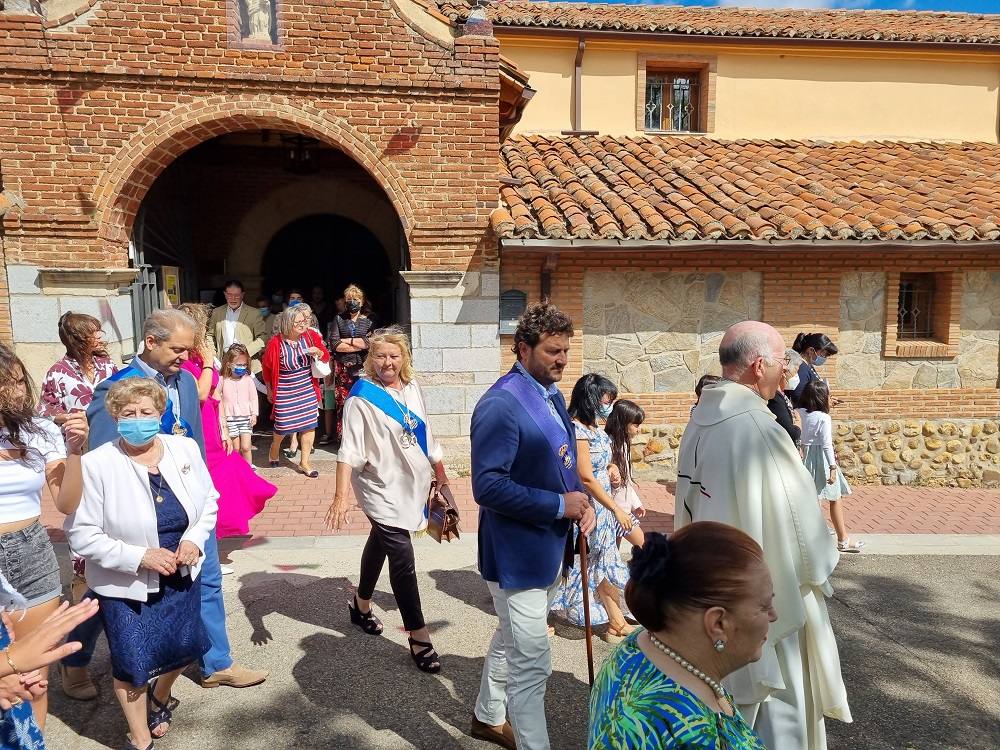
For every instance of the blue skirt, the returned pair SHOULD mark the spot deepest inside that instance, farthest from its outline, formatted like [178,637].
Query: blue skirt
[151,638]
[819,468]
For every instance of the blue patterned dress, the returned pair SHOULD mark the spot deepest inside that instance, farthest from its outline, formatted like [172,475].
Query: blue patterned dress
[635,706]
[164,633]
[18,730]
[603,558]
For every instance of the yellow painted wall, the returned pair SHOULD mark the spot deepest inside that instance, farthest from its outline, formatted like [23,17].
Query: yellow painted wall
[775,93]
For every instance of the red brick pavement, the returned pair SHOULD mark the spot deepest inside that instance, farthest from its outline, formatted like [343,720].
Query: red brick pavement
[300,505]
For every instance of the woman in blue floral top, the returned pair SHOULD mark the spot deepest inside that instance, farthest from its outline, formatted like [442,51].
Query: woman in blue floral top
[705,600]
[591,401]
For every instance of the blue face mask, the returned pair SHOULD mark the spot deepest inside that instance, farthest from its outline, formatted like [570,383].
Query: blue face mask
[294,302]
[138,431]
[264,311]
[819,360]
[604,411]
[239,371]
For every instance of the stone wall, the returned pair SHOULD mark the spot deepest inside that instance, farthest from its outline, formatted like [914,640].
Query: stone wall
[860,364]
[652,332]
[935,453]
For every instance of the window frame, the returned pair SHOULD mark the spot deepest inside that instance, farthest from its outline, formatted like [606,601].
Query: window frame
[944,324]
[704,67]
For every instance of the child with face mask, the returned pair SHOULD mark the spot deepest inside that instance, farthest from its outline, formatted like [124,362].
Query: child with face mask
[238,398]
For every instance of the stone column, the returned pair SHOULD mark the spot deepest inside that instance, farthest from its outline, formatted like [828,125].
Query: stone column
[40,296]
[454,318]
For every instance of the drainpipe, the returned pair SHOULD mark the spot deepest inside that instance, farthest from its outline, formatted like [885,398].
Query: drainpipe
[581,47]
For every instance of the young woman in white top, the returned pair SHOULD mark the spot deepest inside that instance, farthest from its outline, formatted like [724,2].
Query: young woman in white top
[388,454]
[33,454]
[820,459]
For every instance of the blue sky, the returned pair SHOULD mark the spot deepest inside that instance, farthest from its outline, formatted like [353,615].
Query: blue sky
[966,6]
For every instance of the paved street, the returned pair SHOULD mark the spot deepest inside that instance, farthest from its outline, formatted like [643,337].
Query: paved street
[301,504]
[917,633]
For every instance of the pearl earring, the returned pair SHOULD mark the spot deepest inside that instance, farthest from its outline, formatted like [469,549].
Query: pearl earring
[720,645]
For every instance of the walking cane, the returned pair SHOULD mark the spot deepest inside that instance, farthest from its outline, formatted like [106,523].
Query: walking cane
[588,631]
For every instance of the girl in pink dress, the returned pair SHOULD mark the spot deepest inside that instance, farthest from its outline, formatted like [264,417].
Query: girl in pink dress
[238,397]
[242,493]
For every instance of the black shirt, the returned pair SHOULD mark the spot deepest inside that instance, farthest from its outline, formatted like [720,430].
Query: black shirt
[780,408]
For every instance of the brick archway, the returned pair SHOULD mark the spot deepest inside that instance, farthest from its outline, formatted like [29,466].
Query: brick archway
[122,187]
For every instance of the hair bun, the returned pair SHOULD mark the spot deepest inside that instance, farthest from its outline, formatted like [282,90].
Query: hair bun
[650,562]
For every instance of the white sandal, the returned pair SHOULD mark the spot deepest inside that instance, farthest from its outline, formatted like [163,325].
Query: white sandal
[848,546]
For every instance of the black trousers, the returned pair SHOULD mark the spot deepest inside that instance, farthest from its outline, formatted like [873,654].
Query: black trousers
[396,545]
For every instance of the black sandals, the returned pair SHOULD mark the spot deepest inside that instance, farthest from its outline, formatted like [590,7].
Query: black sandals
[159,713]
[426,659]
[367,621]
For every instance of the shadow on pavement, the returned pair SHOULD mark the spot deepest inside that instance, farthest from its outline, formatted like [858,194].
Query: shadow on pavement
[465,585]
[263,594]
[919,666]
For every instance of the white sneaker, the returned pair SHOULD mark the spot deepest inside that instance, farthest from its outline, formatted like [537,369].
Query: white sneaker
[226,570]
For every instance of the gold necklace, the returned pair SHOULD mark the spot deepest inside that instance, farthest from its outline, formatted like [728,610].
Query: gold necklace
[159,487]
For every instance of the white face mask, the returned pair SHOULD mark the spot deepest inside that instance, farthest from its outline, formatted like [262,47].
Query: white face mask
[792,383]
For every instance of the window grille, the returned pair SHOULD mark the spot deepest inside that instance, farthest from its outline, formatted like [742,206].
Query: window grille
[672,101]
[915,309]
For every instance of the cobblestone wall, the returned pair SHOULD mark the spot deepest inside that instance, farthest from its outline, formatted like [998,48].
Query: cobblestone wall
[652,332]
[939,453]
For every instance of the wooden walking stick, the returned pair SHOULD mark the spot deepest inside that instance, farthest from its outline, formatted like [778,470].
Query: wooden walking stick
[587,630]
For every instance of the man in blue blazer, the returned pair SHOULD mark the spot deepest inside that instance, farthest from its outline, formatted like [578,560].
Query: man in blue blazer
[168,336]
[525,481]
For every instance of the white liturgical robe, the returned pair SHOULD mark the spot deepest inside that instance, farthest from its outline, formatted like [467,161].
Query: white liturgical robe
[738,466]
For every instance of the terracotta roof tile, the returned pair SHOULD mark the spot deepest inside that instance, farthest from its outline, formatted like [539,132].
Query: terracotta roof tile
[698,188]
[870,25]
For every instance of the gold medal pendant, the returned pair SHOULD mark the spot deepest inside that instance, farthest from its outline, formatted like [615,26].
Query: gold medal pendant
[179,429]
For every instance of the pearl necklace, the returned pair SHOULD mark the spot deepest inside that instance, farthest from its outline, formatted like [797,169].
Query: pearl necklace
[720,694]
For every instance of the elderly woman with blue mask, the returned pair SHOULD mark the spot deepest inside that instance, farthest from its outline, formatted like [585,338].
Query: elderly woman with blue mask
[148,508]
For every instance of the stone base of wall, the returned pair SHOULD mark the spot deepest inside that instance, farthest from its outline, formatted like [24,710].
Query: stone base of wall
[936,453]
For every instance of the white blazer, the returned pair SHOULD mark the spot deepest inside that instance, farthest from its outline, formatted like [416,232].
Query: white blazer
[116,521]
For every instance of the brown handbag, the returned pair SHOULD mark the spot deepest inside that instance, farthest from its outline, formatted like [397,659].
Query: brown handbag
[442,515]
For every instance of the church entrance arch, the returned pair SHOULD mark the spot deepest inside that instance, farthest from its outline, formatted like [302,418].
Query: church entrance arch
[275,210]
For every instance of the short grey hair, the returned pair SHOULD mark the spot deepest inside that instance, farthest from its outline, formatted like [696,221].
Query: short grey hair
[161,324]
[744,350]
[286,318]
[794,361]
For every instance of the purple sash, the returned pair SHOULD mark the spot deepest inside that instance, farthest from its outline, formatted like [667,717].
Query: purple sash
[552,427]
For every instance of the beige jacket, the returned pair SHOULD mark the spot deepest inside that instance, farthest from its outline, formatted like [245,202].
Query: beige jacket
[250,332]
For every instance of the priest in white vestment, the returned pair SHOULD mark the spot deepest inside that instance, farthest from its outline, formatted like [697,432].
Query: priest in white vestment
[738,466]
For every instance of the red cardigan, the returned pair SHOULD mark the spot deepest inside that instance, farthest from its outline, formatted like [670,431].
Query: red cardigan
[271,361]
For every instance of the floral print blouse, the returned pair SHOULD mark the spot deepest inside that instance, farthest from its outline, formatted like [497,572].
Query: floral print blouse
[66,389]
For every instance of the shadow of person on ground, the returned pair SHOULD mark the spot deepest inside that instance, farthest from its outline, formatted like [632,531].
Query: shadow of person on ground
[903,651]
[465,585]
[308,599]
[424,710]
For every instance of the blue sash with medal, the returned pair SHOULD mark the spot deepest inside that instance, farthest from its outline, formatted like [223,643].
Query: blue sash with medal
[385,403]
[551,427]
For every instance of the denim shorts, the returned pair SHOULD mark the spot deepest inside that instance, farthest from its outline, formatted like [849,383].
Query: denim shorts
[29,562]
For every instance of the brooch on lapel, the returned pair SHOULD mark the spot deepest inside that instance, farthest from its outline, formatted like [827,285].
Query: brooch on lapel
[185,468]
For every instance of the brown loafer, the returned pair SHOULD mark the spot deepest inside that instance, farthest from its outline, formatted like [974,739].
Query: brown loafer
[502,735]
[236,676]
[76,683]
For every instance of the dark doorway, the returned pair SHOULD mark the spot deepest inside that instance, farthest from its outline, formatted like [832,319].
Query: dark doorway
[330,251]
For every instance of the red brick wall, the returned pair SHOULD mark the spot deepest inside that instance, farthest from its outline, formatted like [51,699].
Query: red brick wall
[93,110]
[801,292]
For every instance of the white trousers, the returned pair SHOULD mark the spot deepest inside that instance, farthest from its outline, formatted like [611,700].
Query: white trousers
[518,664]
[788,719]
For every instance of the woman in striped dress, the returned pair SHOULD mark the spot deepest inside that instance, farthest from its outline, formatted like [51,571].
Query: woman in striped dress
[293,390]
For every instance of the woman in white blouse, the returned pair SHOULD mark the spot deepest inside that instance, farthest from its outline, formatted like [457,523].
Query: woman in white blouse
[33,454]
[388,454]
[148,508]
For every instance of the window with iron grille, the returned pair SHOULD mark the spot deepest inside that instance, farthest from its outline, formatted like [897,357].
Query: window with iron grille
[915,310]
[673,101]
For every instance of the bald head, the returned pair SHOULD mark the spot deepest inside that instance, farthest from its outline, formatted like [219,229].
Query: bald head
[751,353]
